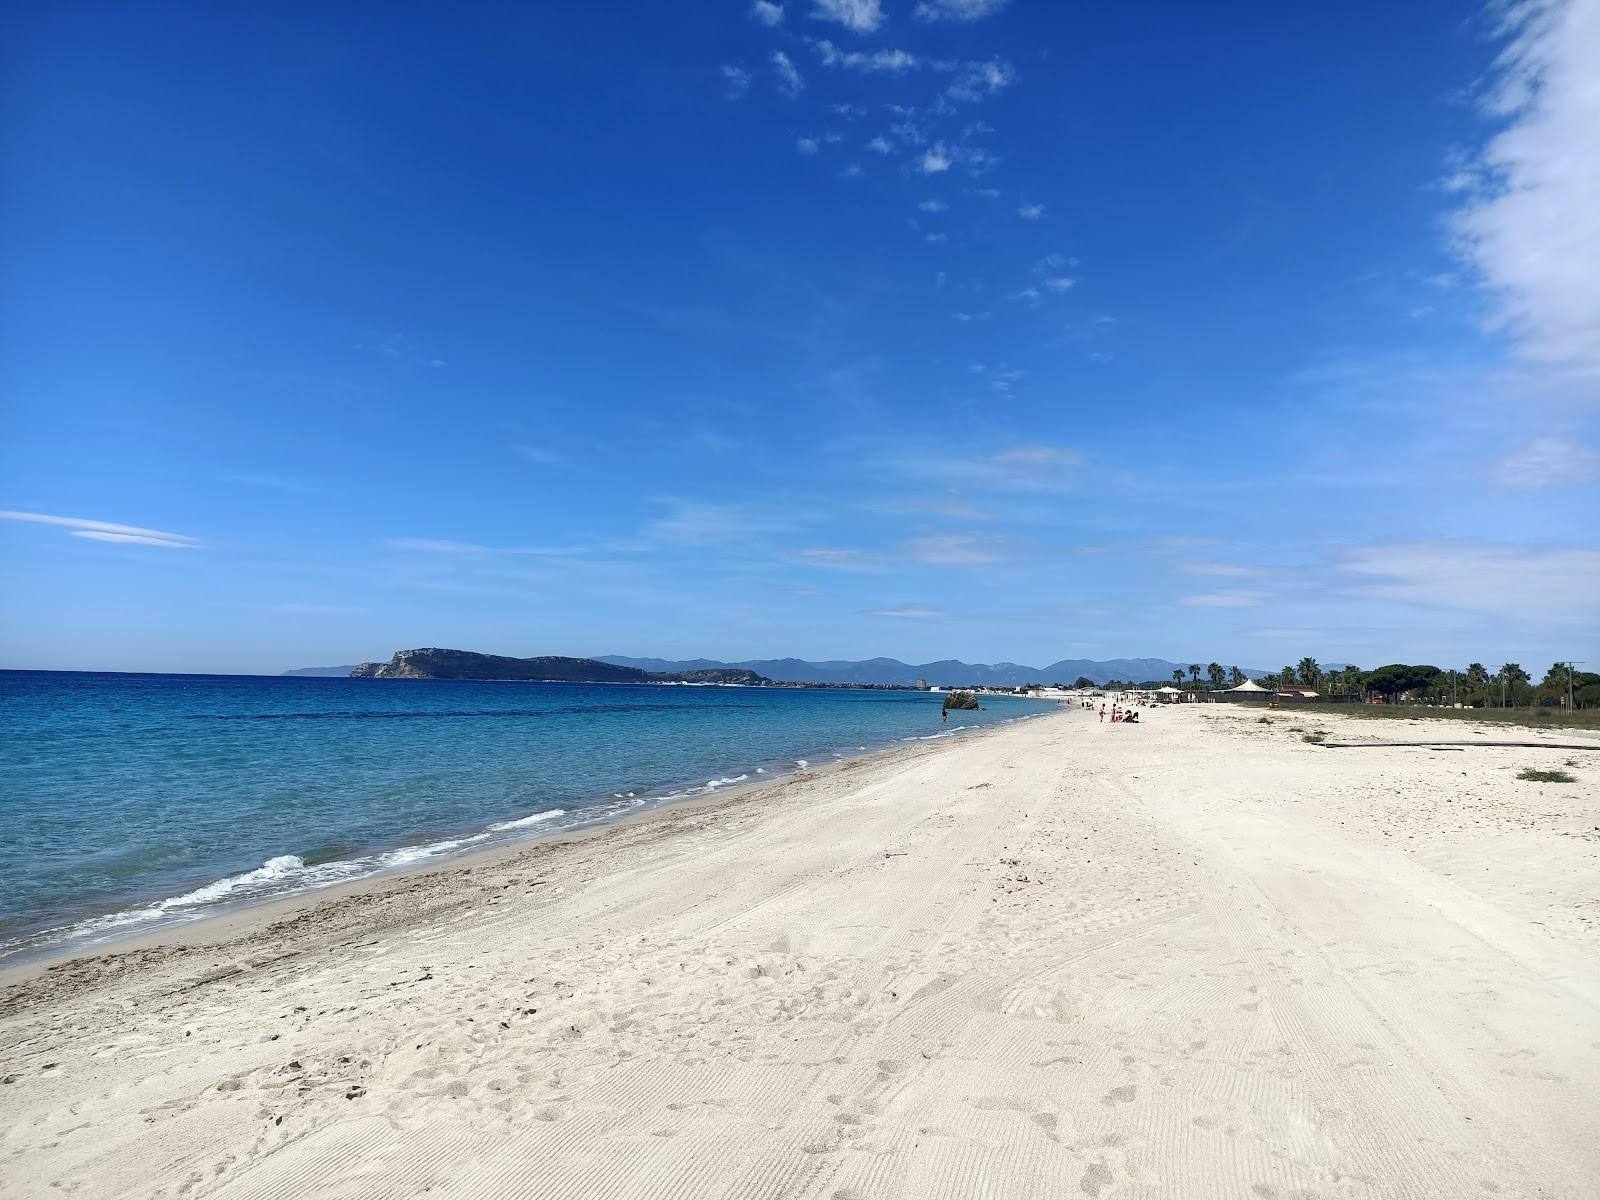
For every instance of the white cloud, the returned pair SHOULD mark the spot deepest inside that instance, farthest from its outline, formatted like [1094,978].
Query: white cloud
[1531,223]
[951,550]
[768,13]
[1235,598]
[1060,283]
[1031,212]
[976,80]
[941,156]
[806,145]
[880,145]
[737,79]
[789,81]
[108,531]
[932,206]
[1530,584]
[938,238]
[957,10]
[859,16]
[893,62]
[1549,462]
[911,614]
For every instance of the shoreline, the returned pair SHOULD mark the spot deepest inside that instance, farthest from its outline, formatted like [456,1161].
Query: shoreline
[224,921]
[1196,954]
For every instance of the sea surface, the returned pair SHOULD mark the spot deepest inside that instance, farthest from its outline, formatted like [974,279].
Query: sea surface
[131,802]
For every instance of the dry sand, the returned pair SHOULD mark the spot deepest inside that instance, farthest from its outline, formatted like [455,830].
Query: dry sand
[1195,958]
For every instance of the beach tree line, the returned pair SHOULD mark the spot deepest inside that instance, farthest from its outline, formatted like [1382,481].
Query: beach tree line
[1510,686]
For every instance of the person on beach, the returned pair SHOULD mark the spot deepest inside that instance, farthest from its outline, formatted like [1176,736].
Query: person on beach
[1102,713]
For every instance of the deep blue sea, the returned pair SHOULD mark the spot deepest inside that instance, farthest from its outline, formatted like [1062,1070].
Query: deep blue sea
[130,802]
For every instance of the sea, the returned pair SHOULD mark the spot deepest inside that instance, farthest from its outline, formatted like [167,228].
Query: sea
[129,803]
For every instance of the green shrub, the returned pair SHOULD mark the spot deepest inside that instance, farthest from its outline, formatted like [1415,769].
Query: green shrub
[1533,776]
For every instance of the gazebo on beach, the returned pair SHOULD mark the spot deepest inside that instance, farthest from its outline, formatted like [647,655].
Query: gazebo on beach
[1165,694]
[1248,687]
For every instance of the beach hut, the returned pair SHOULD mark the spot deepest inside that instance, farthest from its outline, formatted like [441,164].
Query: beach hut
[1168,694]
[1248,687]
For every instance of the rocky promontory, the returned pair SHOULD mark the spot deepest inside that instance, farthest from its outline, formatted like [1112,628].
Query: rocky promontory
[432,662]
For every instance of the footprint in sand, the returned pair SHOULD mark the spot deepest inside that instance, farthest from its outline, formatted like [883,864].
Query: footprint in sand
[1120,1095]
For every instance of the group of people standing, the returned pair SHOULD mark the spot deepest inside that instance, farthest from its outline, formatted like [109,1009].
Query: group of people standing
[1119,715]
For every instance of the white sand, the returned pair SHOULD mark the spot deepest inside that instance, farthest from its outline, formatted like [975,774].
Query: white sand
[1191,959]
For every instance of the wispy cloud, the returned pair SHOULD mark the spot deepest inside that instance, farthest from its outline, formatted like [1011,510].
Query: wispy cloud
[1530,226]
[932,206]
[859,16]
[806,145]
[1549,462]
[789,81]
[1228,598]
[911,614]
[1031,212]
[941,156]
[893,62]
[974,81]
[1519,583]
[767,13]
[536,454]
[695,523]
[957,10]
[951,550]
[436,546]
[1039,456]
[736,81]
[1226,570]
[108,531]
[834,558]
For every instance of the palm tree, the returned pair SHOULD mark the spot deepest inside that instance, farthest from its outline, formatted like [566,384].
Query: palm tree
[1194,673]
[1476,683]
[1235,677]
[1215,673]
[1512,677]
[1309,672]
[1177,675]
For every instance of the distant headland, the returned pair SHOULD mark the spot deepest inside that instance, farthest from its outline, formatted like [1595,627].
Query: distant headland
[434,663]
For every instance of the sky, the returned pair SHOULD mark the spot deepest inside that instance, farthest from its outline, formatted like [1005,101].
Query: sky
[828,328]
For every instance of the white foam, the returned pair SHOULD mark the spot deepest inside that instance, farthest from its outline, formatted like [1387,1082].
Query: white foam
[713,784]
[533,819]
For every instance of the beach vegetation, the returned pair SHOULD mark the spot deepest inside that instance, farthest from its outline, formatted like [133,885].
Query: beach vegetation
[1533,775]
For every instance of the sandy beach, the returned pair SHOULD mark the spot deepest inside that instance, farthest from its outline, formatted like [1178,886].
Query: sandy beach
[1192,958]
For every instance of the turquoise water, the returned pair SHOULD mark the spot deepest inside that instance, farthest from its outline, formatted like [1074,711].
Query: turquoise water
[135,801]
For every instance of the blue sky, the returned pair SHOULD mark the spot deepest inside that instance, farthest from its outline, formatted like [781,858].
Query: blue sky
[836,328]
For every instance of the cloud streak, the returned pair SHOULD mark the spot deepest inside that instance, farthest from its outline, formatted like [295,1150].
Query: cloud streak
[108,531]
